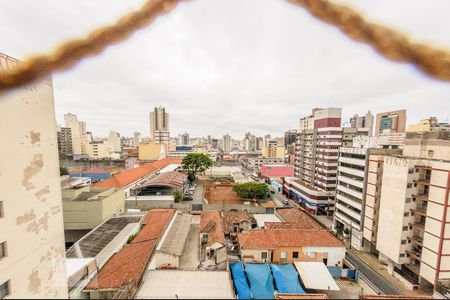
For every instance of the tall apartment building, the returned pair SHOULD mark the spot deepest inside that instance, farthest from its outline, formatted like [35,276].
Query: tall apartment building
[249,142]
[64,136]
[78,131]
[413,232]
[226,143]
[391,121]
[32,251]
[137,139]
[352,184]
[363,122]
[290,137]
[159,126]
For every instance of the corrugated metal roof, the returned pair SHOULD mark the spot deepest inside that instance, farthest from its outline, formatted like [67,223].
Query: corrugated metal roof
[178,232]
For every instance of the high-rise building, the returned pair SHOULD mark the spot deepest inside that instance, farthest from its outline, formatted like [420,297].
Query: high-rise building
[363,122]
[214,143]
[78,131]
[391,121]
[159,125]
[64,136]
[32,251]
[290,137]
[259,143]
[316,160]
[249,142]
[114,139]
[414,213]
[273,150]
[137,139]
[184,139]
[226,143]
[352,178]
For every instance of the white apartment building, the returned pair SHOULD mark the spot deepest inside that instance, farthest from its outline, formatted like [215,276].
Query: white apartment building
[102,149]
[226,143]
[137,139]
[32,251]
[413,235]
[352,184]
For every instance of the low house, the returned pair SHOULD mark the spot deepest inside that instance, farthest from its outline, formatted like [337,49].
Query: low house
[288,245]
[213,251]
[237,221]
[296,215]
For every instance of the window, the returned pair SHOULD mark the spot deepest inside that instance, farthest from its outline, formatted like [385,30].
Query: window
[264,255]
[409,185]
[406,214]
[2,250]
[430,153]
[403,242]
[405,228]
[294,254]
[402,255]
[4,289]
[312,254]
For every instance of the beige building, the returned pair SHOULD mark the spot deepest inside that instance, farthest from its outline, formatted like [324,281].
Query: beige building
[78,131]
[413,237]
[159,125]
[152,151]
[273,150]
[392,121]
[85,208]
[423,126]
[32,255]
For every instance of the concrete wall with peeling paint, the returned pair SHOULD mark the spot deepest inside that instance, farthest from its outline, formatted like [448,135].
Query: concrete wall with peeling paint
[32,225]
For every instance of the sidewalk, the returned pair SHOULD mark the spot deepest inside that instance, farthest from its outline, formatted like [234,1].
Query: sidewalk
[375,264]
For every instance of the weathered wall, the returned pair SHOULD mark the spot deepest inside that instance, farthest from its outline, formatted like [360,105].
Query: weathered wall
[30,190]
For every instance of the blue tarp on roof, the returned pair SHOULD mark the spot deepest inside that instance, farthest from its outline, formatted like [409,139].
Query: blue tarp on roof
[261,280]
[240,281]
[286,279]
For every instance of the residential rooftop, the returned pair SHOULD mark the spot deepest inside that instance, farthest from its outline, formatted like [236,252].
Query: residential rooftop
[275,238]
[295,215]
[171,179]
[129,264]
[211,223]
[234,217]
[173,242]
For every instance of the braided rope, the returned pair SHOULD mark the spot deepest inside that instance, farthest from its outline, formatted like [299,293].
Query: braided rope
[389,43]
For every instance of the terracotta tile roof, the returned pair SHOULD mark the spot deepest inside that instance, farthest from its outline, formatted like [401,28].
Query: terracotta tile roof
[129,263]
[234,217]
[113,170]
[294,215]
[275,238]
[211,223]
[173,179]
[129,176]
[284,225]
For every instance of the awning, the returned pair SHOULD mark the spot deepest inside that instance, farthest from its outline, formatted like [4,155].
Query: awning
[316,276]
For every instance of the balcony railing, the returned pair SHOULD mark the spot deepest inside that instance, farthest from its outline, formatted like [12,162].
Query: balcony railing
[413,267]
[414,254]
[421,196]
[417,239]
[419,225]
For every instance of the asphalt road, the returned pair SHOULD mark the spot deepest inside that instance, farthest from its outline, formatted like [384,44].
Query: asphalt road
[198,193]
[373,277]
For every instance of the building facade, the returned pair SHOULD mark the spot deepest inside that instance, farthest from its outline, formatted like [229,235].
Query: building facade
[32,251]
[226,143]
[64,135]
[413,237]
[159,125]
[391,121]
[363,122]
[79,135]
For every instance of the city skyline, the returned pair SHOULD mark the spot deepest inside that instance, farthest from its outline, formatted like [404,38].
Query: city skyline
[265,72]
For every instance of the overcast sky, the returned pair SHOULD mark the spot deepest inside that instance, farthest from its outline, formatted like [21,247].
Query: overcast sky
[229,66]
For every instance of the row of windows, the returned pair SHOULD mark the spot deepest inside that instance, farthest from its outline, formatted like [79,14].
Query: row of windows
[4,289]
[347,216]
[351,197]
[352,166]
[352,155]
[350,186]
[348,206]
[351,176]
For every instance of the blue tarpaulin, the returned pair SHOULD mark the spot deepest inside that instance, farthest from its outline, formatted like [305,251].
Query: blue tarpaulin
[240,281]
[261,280]
[286,279]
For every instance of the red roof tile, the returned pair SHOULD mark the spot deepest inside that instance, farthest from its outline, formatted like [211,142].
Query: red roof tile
[129,176]
[294,215]
[233,217]
[274,238]
[173,179]
[129,263]
[211,223]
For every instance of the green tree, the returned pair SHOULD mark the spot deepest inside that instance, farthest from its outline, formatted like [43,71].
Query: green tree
[177,195]
[194,163]
[251,190]
[63,171]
